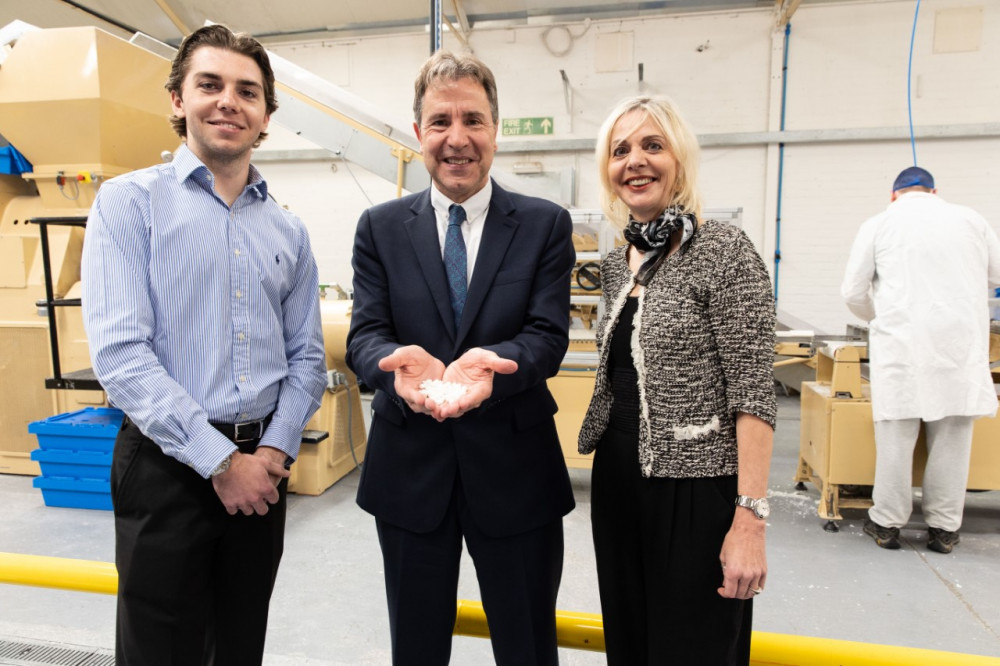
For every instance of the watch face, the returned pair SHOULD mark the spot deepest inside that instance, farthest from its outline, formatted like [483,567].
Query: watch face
[762,508]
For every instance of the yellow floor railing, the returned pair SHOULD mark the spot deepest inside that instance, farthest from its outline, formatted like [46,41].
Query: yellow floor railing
[582,631]
[59,572]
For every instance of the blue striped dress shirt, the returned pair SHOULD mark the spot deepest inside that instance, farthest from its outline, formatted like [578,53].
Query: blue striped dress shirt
[196,311]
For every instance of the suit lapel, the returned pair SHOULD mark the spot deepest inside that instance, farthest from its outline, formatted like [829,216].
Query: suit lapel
[498,232]
[423,234]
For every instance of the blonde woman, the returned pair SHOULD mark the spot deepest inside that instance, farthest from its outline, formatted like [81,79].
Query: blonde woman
[683,410]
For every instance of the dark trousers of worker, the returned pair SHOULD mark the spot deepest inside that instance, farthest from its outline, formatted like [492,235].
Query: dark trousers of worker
[518,578]
[657,543]
[194,583]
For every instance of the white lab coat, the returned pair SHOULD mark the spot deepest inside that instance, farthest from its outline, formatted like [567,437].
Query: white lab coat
[920,272]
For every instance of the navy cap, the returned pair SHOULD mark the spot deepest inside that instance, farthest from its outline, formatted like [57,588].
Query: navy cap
[913,177]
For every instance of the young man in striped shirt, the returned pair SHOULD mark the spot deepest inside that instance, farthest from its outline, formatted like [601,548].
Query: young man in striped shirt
[201,305]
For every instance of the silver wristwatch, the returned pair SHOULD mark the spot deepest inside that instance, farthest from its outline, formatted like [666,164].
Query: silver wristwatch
[760,507]
[222,467]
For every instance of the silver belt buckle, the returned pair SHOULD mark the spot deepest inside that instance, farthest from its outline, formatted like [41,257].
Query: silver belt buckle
[246,432]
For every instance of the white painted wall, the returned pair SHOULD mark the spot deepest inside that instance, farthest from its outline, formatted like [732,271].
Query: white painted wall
[847,69]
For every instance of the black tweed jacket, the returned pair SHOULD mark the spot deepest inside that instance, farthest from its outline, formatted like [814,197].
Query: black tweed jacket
[703,347]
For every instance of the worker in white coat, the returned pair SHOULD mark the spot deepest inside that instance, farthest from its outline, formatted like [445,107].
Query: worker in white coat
[920,271]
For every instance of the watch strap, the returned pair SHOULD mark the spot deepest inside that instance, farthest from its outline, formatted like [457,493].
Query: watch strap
[222,466]
[751,503]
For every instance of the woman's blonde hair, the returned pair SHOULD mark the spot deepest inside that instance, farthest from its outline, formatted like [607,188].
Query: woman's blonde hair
[682,143]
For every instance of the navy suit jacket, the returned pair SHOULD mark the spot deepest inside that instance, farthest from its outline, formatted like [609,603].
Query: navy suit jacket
[506,452]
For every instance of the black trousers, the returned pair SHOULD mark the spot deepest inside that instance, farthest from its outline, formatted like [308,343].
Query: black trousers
[194,583]
[518,579]
[657,543]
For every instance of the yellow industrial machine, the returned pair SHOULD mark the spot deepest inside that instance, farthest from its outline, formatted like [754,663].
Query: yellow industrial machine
[83,106]
[321,463]
[837,441]
[572,387]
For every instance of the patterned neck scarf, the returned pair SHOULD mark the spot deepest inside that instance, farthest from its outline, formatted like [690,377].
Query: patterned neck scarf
[653,238]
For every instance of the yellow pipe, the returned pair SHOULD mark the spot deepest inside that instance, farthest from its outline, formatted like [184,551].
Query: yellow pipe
[403,157]
[59,572]
[581,631]
[470,620]
[781,649]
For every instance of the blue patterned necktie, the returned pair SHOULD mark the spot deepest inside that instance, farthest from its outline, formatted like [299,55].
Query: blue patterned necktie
[455,265]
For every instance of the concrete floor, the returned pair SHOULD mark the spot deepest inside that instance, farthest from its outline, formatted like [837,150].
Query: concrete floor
[328,608]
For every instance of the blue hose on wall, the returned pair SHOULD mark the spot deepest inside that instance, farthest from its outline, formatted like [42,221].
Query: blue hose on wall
[781,163]
[909,77]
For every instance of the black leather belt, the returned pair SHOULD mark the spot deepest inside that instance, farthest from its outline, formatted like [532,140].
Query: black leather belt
[247,431]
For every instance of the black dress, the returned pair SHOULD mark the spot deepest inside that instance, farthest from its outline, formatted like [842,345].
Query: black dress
[657,542]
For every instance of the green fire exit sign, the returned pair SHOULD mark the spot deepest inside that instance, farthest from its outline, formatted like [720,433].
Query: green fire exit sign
[526,126]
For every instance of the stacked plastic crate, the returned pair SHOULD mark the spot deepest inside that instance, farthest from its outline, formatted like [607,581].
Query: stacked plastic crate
[75,456]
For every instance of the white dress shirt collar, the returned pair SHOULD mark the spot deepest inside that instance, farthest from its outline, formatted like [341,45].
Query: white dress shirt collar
[476,207]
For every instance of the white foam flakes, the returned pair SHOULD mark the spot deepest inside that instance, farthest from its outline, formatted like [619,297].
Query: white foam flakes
[442,392]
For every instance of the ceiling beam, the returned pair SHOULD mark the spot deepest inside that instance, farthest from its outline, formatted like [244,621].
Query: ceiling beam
[463,18]
[104,17]
[172,15]
[783,10]
[457,32]
[462,31]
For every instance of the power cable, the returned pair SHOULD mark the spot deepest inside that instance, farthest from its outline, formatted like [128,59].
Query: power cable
[347,165]
[571,37]
[350,427]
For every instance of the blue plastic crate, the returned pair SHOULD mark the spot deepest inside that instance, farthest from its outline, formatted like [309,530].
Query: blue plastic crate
[74,464]
[74,493]
[90,429]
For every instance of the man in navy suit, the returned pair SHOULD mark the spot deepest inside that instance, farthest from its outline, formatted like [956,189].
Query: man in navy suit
[485,466]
